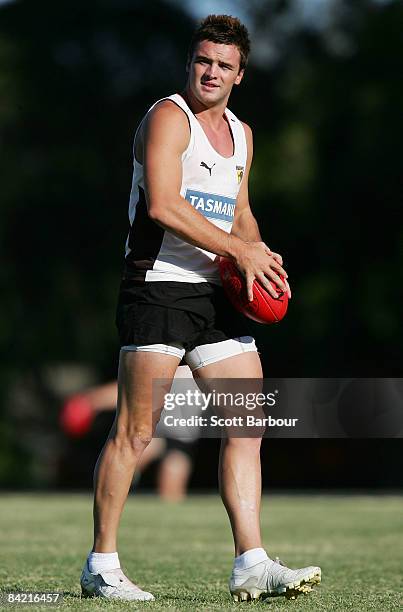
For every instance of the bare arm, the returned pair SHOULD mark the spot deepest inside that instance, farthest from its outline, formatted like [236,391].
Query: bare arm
[165,138]
[245,225]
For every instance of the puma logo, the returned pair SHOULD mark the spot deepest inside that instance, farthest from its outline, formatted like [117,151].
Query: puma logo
[204,165]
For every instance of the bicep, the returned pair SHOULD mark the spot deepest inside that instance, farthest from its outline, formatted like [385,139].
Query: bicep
[166,136]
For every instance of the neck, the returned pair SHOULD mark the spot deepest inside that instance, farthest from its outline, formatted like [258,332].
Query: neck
[212,115]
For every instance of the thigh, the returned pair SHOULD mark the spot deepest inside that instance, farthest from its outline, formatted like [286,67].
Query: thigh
[220,377]
[237,358]
[140,399]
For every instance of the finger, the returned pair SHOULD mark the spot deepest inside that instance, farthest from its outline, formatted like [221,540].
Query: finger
[271,274]
[267,249]
[288,289]
[277,257]
[268,286]
[249,287]
[279,282]
[277,268]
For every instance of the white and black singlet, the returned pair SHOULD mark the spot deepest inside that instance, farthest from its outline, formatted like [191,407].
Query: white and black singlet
[210,183]
[171,290]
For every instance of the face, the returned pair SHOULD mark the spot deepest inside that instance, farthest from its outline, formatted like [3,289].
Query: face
[213,71]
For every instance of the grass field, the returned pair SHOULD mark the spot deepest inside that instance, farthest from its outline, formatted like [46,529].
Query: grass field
[182,553]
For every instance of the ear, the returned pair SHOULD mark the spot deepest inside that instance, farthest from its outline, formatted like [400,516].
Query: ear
[239,76]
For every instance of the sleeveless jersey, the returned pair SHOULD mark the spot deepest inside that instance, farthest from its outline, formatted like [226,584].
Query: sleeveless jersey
[210,183]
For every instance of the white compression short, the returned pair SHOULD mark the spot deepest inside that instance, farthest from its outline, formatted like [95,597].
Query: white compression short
[202,355]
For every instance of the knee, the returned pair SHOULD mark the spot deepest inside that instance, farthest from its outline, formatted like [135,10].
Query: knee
[134,440]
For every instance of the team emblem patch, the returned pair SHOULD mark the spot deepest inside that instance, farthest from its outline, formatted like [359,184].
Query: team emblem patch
[239,173]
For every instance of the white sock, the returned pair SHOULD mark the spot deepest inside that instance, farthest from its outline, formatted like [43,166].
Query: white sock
[102,562]
[250,558]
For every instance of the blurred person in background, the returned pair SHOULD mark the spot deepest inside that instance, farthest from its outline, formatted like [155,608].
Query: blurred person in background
[188,148]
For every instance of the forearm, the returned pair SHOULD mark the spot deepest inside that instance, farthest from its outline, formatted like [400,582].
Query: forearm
[246,228]
[251,256]
[181,219]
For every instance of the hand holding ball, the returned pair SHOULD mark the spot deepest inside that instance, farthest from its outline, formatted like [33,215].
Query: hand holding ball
[264,308]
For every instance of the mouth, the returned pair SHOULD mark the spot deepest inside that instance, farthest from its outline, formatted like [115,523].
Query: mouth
[208,85]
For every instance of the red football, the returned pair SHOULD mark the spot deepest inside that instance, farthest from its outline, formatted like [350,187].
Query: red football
[264,308]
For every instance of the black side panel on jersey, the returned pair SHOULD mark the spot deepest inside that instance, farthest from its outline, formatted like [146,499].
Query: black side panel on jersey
[145,239]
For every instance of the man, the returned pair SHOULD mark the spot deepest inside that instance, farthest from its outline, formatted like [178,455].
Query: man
[189,204]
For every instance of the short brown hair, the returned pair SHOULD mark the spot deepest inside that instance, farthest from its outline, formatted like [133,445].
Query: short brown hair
[226,30]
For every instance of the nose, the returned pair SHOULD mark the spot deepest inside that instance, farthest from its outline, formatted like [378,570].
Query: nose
[211,71]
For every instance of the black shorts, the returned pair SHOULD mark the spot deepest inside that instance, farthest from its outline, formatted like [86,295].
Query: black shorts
[162,312]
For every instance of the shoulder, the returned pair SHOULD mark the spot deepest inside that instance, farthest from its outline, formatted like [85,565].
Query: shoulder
[167,123]
[248,131]
[167,111]
[248,137]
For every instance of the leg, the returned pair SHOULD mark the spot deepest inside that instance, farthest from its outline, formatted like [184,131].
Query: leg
[239,467]
[240,489]
[129,436]
[254,574]
[174,474]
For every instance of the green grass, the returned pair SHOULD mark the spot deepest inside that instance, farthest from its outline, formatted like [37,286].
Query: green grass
[182,553]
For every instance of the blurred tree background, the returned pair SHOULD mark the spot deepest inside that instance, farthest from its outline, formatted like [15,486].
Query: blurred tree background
[324,98]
